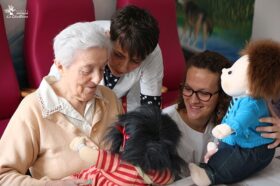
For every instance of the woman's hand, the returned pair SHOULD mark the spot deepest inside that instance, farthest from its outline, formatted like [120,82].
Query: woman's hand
[67,182]
[272,131]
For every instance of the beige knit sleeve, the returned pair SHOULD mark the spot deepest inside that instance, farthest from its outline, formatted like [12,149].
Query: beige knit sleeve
[19,147]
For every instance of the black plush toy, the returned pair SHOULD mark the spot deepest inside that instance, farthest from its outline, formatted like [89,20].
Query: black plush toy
[143,150]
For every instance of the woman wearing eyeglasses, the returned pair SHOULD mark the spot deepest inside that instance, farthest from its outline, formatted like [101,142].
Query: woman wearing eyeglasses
[201,105]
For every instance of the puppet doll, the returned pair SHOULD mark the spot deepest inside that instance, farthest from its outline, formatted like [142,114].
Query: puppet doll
[143,151]
[241,150]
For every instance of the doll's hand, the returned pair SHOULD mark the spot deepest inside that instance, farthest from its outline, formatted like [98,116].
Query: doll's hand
[221,131]
[77,143]
[211,149]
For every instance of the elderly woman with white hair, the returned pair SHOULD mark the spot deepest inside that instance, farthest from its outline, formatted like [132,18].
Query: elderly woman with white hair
[38,135]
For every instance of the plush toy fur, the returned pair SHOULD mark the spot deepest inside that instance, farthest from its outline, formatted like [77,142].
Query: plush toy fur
[263,71]
[153,140]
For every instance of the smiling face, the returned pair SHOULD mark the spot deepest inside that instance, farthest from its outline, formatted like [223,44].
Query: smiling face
[197,111]
[80,79]
[120,62]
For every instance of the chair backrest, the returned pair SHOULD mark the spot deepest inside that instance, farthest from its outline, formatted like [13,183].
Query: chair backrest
[165,13]
[46,18]
[10,92]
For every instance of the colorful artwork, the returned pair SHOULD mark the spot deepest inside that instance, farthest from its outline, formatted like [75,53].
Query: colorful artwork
[217,25]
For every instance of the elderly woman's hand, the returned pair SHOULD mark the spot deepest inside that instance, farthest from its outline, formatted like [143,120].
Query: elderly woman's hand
[272,131]
[77,143]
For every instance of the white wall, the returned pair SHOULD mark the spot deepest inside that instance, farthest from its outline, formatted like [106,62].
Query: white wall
[266,22]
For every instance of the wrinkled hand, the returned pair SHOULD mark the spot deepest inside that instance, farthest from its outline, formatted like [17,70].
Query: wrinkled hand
[221,131]
[211,149]
[77,142]
[272,131]
[67,182]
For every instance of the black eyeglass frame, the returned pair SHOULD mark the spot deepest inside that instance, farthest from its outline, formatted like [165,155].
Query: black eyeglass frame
[198,93]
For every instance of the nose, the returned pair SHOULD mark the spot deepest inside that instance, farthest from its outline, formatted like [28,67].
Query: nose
[194,98]
[96,77]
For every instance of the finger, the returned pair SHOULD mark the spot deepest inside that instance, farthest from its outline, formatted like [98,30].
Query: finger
[272,120]
[272,128]
[265,129]
[270,135]
[268,120]
[274,144]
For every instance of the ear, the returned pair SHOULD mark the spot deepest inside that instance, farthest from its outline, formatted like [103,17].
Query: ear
[58,66]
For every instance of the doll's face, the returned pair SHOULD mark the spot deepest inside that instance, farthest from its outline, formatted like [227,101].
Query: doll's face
[234,79]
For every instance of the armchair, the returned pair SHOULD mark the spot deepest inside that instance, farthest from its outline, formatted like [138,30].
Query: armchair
[46,18]
[10,93]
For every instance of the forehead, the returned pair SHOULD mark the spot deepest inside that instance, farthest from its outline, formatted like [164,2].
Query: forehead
[240,66]
[91,56]
[199,78]
[124,51]
[117,47]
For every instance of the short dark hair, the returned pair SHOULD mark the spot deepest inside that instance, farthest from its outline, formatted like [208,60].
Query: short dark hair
[136,30]
[214,62]
[153,140]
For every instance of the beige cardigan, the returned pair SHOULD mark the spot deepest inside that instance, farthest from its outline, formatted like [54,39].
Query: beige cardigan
[42,144]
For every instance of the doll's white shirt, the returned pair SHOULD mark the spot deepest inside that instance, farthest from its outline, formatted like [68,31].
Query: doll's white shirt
[193,144]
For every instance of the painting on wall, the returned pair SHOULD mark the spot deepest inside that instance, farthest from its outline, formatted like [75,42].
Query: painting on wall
[217,25]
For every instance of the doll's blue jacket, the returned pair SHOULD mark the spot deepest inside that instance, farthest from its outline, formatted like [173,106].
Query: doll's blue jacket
[243,117]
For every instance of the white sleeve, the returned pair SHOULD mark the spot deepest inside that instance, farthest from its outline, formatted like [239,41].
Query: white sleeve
[152,74]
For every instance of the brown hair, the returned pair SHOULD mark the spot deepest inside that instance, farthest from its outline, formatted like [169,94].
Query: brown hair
[136,30]
[213,62]
[263,69]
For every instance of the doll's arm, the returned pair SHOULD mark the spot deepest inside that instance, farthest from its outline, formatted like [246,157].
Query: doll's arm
[244,117]
[89,154]
[221,131]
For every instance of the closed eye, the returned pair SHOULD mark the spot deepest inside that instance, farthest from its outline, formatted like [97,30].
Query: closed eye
[136,61]
[118,55]
[204,93]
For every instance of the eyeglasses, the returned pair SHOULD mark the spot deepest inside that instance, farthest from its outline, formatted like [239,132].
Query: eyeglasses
[201,95]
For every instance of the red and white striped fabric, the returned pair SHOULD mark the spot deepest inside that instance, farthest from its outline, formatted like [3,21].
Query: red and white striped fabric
[111,171]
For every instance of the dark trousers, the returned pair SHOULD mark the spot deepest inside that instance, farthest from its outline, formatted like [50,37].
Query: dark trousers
[232,164]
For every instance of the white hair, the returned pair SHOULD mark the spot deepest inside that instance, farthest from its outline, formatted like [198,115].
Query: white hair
[78,36]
